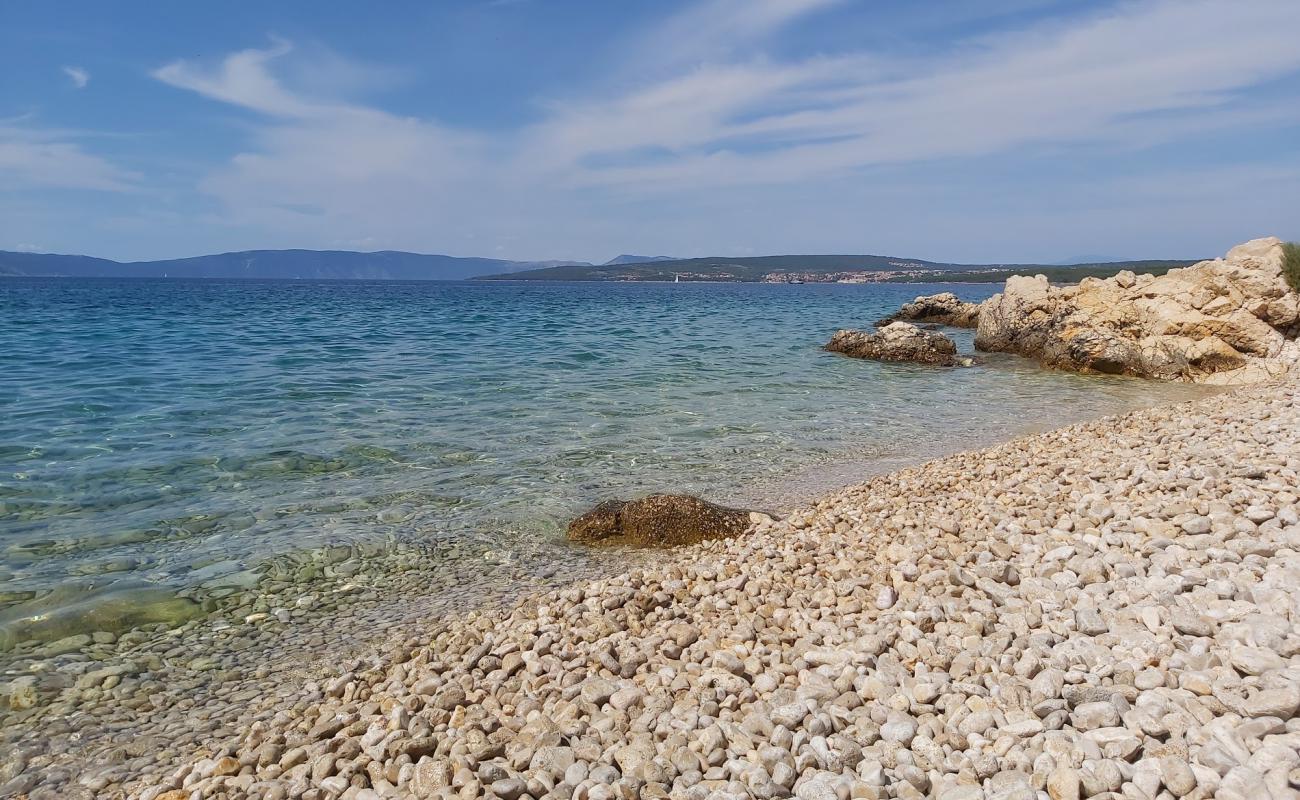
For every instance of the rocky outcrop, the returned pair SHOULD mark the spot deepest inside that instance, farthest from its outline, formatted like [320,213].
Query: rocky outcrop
[943,309]
[660,520]
[1227,321]
[897,341]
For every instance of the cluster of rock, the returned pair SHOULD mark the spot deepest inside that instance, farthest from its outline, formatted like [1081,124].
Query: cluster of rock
[896,341]
[940,309]
[1109,610]
[660,520]
[1230,320]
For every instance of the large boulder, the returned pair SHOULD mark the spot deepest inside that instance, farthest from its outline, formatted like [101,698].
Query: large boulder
[897,341]
[1227,321]
[943,309]
[660,520]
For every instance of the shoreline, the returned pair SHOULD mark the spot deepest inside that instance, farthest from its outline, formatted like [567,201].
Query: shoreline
[720,559]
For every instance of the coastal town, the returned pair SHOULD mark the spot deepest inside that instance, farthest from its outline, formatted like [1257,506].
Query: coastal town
[899,271]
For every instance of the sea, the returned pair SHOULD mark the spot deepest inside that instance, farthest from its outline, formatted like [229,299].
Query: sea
[150,429]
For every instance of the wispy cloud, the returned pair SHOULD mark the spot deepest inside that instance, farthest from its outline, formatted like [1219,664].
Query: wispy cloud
[242,79]
[717,29]
[78,76]
[324,161]
[702,105]
[36,157]
[767,122]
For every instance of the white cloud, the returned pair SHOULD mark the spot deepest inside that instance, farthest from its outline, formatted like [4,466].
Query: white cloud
[33,157]
[1052,84]
[323,164]
[78,76]
[712,112]
[715,29]
[241,79]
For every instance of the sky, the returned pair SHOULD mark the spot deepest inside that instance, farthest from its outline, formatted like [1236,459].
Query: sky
[989,131]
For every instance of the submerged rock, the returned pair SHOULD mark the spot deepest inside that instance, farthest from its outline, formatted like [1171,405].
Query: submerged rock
[76,612]
[943,309]
[897,341]
[659,520]
[1228,321]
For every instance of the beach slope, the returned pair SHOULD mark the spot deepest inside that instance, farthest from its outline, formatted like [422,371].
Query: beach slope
[1112,607]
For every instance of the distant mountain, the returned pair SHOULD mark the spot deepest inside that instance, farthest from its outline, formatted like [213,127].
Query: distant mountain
[627,259]
[276,264]
[396,265]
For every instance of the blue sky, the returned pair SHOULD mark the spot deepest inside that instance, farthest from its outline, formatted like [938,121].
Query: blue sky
[1008,130]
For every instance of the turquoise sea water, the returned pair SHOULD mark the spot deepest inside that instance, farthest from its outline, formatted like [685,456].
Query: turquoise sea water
[149,428]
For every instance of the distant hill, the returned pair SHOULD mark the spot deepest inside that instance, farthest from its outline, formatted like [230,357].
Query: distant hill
[754,268]
[276,264]
[750,268]
[627,259]
[397,265]
[554,263]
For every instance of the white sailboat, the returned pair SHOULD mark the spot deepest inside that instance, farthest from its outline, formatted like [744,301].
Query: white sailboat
[677,278]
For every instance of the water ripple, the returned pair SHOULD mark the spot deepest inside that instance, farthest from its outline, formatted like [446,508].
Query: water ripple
[175,423]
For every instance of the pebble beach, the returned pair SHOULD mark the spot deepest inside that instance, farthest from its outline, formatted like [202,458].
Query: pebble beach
[1105,610]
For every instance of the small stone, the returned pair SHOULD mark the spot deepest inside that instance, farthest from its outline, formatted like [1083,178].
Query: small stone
[1063,784]
[631,758]
[597,691]
[1190,624]
[623,699]
[69,644]
[512,662]
[1255,660]
[1088,622]
[898,728]
[508,788]
[818,786]
[886,597]
[1282,703]
[576,773]
[1177,776]
[1088,716]
[1099,776]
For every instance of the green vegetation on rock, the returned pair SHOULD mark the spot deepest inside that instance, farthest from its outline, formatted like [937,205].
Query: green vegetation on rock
[1291,264]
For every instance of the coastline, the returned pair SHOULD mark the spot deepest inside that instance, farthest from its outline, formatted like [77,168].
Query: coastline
[859,570]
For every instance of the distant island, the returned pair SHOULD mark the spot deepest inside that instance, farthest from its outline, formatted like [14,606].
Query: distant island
[826,269]
[399,265]
[389,265]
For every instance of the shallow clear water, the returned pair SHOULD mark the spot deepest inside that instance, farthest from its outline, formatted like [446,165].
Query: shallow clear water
[148,428]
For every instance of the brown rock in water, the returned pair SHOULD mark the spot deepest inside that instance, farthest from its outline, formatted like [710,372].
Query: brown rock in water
[943,309]
[897,341]
[659,520]
[1227,321]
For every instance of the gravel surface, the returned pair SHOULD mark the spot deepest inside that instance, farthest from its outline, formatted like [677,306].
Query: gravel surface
[1111,609]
